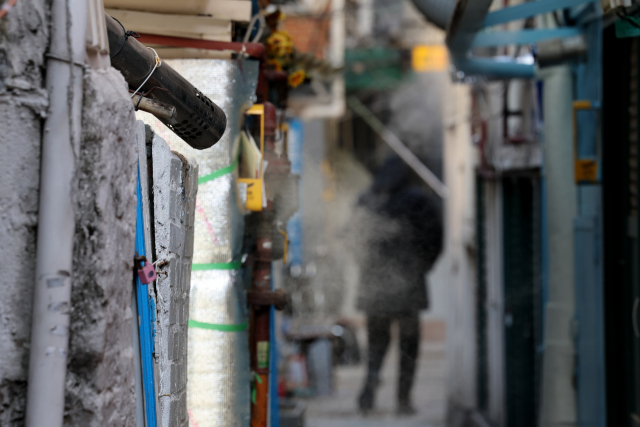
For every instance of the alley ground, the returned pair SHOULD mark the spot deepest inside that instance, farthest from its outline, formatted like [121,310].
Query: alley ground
[429,397]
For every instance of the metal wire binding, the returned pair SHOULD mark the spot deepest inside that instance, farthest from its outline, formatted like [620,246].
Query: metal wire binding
[127,34]
[158,63]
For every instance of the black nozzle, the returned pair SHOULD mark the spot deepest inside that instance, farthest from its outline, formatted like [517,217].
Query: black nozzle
[197,120]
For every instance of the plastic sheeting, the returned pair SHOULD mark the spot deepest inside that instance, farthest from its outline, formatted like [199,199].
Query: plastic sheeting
[218,389]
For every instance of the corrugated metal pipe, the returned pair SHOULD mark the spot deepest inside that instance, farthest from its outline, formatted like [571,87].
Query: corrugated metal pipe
[438,12]
[197,120]
[56,220]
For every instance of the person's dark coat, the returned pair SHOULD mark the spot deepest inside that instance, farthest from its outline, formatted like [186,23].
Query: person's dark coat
[401,237]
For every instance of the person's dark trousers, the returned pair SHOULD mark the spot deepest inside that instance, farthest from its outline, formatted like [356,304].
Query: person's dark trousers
[379,334]
[409,344]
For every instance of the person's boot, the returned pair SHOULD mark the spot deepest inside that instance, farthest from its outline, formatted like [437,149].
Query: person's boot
[365,400]
[405,408]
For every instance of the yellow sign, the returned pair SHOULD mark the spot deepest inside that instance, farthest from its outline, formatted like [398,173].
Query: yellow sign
[426,58]
[586,170]
[254,186]
[254,194]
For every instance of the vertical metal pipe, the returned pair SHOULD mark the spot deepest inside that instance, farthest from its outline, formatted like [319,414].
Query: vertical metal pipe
[261,324]
[261,338]
[56,222]
[558,402]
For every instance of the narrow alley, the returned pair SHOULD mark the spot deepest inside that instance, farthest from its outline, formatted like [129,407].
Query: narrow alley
[340,410]
[320,213]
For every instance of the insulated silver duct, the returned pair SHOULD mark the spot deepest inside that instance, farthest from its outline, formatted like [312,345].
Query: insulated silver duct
[438,12]
[218,372]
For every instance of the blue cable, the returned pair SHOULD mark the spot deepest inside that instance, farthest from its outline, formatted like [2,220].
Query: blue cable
[146,340]
[273,368]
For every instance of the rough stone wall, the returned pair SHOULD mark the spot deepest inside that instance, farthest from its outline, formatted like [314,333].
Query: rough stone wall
[24,35]
[99,383]
[24,38]
[175,184]
[100,376]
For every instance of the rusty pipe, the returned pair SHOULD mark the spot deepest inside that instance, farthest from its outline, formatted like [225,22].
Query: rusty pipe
[157,108]
[255,50]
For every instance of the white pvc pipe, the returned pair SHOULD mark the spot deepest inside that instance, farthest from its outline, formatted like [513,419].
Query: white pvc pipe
[56,222]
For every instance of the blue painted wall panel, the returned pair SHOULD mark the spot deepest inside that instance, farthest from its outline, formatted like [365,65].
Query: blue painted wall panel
[589,315]
[588,262]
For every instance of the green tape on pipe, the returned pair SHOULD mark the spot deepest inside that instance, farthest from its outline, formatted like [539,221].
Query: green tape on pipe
[219,172]
[218,327]
[217,266]
[223,171]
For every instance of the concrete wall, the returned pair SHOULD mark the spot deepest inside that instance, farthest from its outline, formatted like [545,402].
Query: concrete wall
[175,184]
[23,102]
[501,154]
[100,379]
[99,384]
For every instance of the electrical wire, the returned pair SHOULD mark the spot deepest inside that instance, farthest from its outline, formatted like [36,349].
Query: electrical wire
[7,7]
[157,64]
[127,34]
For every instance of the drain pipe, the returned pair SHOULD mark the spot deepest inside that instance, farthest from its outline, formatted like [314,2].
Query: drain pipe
[56,219]
[558,401]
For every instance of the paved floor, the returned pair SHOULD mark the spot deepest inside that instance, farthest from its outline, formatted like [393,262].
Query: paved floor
[339,409]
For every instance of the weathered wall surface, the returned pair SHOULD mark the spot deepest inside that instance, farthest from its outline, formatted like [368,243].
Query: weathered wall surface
[175,184]
[24,38]
[457,258]
[99,383]
[100,376]
[23,102]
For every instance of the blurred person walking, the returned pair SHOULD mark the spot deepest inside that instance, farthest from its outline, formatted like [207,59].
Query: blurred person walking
[398,232]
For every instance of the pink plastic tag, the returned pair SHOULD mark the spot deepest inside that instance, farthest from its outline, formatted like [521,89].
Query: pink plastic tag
[147,274]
